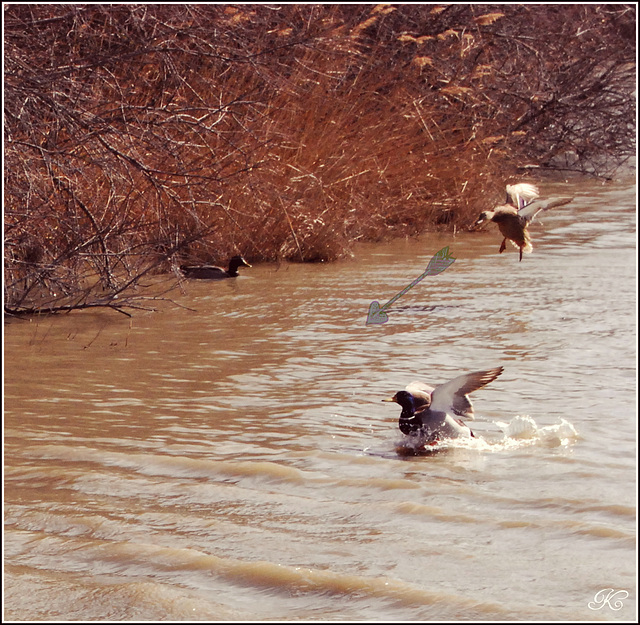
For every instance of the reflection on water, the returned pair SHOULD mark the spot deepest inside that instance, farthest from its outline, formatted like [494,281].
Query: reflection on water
[234,461]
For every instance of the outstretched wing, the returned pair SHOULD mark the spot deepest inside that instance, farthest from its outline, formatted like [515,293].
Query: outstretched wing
[452,396]
[521,194]
[531,210]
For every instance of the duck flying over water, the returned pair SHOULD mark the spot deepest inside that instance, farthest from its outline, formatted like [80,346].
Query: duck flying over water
[514,217]
[209,272]
[432,413]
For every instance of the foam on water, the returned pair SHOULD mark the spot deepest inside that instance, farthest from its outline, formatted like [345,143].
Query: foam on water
[522,428]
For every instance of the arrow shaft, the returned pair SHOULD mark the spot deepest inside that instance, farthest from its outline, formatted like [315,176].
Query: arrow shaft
[399,295]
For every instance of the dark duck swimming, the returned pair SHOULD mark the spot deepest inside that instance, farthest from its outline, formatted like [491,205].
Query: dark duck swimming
[513,217]
[433,413]
[209,272]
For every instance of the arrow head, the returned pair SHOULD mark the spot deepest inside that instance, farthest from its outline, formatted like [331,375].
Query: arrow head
[376,315]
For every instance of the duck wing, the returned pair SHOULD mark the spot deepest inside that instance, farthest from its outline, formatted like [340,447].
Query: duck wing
[521,194]
[439,426]
[421,393]
[203,272]
[452,396]
[529,211]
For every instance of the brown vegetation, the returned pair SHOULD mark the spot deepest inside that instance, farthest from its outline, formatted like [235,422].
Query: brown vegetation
[138,137]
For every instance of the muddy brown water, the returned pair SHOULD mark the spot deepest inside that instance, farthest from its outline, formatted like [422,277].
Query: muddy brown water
[232,460]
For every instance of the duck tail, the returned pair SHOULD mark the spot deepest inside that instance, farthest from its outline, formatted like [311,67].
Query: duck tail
[527,248]
[524,245]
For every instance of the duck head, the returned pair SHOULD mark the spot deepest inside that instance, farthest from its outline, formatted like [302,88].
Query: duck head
[404,399]
[238,261]
[482,218]
[409,422]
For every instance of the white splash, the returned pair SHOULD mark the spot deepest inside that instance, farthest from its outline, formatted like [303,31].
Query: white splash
[525,428]
[521,431]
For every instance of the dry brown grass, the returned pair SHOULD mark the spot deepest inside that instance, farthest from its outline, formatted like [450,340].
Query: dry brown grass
[142,136]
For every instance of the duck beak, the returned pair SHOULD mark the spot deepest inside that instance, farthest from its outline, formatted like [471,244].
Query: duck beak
[479,223]
[390,399]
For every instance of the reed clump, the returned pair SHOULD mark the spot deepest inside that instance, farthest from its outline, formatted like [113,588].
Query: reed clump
[138,137]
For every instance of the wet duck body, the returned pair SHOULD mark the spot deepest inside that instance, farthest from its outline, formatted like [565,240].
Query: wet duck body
[434,413]
[209,272]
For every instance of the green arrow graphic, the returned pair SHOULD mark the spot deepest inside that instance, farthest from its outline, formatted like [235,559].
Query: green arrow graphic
[440,261]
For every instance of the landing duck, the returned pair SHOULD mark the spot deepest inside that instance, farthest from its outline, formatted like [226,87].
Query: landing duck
[513,217]
[432,413]
[209,272]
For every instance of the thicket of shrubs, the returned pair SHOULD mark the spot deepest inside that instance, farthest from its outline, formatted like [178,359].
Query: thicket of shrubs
[141,136]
